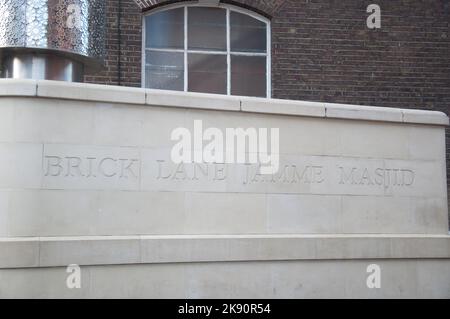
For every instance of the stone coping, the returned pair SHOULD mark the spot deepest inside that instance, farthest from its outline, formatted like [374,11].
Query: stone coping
[114,250]
[138,96]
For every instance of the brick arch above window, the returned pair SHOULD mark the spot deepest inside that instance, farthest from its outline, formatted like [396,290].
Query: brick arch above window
[264,7]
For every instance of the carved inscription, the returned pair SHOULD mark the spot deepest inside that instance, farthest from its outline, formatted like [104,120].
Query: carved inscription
[85,167]
[379,176]
[90,167]
[289,174]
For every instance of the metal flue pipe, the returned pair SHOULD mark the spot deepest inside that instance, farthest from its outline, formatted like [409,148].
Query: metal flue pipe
[51,39]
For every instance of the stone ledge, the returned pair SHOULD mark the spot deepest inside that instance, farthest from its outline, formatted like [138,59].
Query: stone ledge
[114,250]
[419,116]
[129,95]
[368,113]
[283,107]
[18,87]
[192,100]
[90,92]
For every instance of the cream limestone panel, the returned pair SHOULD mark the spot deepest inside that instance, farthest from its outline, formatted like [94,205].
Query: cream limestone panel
[4,212]
[112,251]
[433,280]
[91,167]
[374,140]
[118,125]
[427,178]
[154,282]
[20,165]
[42,283]
[390,215]
[7,119]
[24,251]
[51,213]
[163,249]
[427,247]
[432,213]
[304,214]
[225,213]
[53,121]
[136,213]
[84,213]
[202,248]
[159,122]
[131,125]
[131,281]
[311,279]
[295,132]
[294,279]
[78,122]
[125,125]
[307,136]
[233,280]
[426,142]
[364,214]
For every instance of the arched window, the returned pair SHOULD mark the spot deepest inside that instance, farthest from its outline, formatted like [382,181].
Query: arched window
[210,49]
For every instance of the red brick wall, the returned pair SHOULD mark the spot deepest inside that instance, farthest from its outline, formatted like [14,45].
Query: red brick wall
[130,44]
[322,50]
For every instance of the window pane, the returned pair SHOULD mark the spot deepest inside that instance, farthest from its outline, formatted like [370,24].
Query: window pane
[247,34]
[165,30]
[207,73]
[248,76]
[207,29]
[164,70]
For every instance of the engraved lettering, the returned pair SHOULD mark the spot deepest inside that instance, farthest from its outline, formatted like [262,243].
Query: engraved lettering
[126,167]
[160,170]
[90,166]
[73,163]
[203,168]
[408,177]
[101,167]
[347,177]
[365,179]
[379,176]
[54,162]
[220,172]
[181,170]
[318,178]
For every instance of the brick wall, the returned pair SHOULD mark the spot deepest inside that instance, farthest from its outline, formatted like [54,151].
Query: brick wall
[322,50]
[122,67]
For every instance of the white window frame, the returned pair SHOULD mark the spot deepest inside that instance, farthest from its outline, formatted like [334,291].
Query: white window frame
[228,52]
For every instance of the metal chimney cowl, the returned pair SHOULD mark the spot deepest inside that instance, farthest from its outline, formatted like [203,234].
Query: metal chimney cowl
[51,39]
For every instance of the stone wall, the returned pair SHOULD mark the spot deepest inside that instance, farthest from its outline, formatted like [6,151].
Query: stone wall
[87,178]
[323,51]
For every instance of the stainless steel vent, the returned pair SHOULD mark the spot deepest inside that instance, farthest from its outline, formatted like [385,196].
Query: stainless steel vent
[51,39]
